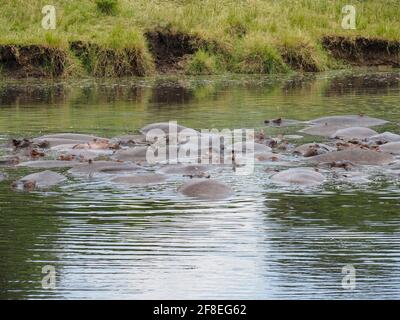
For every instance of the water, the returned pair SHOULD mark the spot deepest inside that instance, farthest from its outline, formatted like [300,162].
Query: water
[134,243]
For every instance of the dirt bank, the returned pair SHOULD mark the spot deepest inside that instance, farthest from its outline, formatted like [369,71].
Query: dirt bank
[32,61]
[362,51]
[168,53]
[170,50]
[108,62]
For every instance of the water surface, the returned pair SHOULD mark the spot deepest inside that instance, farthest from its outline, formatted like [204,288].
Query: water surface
[134,243]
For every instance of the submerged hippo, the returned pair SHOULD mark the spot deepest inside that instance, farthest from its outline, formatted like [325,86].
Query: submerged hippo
[312,149]
[280,122]
[239,147]
[3,176]
[327,126]
[264,156]
[53,142]
[190,169]
[49,164]
[391,147]
[171,131]
[359,133]
[141,179]
[68,150]
[102,167]
[356,156]
[349,121]
[299,176]
[9,160]
[205,189]
[136,154]
[193,151]
[129,140]
[324,130]
[384,138]
[41,180]
[164,126]
[97,144]
[71,136]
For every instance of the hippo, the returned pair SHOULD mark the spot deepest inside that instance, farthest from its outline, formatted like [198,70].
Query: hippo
[140,179]
[327,126]
[129,140]
[246,159]
[53,142]
[298,176]
[206,189]
[71,136]
[103,167]
[280,122]
[157,131]
[190,169]
[9,160]
[312,149]
[264,156]
[22,143]
[49,164]
[67,150]
[195,150]
[323,130]
[206,141]
[348,121]
[359,133]
[164,126]
[97,145]
[239,147]
[342,164]
[391,147]
[159,153]
[136,154]
[40,180]
[356,156]
[384,138]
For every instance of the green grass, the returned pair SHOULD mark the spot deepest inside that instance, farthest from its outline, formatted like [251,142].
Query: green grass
[107,7]
[252,36]
[204,62]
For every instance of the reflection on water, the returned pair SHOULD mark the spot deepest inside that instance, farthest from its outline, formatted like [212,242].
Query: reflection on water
[128,243]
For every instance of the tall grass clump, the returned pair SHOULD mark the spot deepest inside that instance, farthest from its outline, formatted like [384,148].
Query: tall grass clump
[107,7]
[203,62]
[123,52]
[257,54]
[301,53]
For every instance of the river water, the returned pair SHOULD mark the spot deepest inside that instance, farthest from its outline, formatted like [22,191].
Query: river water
[265,242]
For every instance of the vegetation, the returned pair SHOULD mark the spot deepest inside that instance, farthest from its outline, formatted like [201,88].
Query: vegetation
[108,7]
[203,62]
[245,36]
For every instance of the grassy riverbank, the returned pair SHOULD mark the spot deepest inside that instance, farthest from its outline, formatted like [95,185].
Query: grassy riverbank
[141,37]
